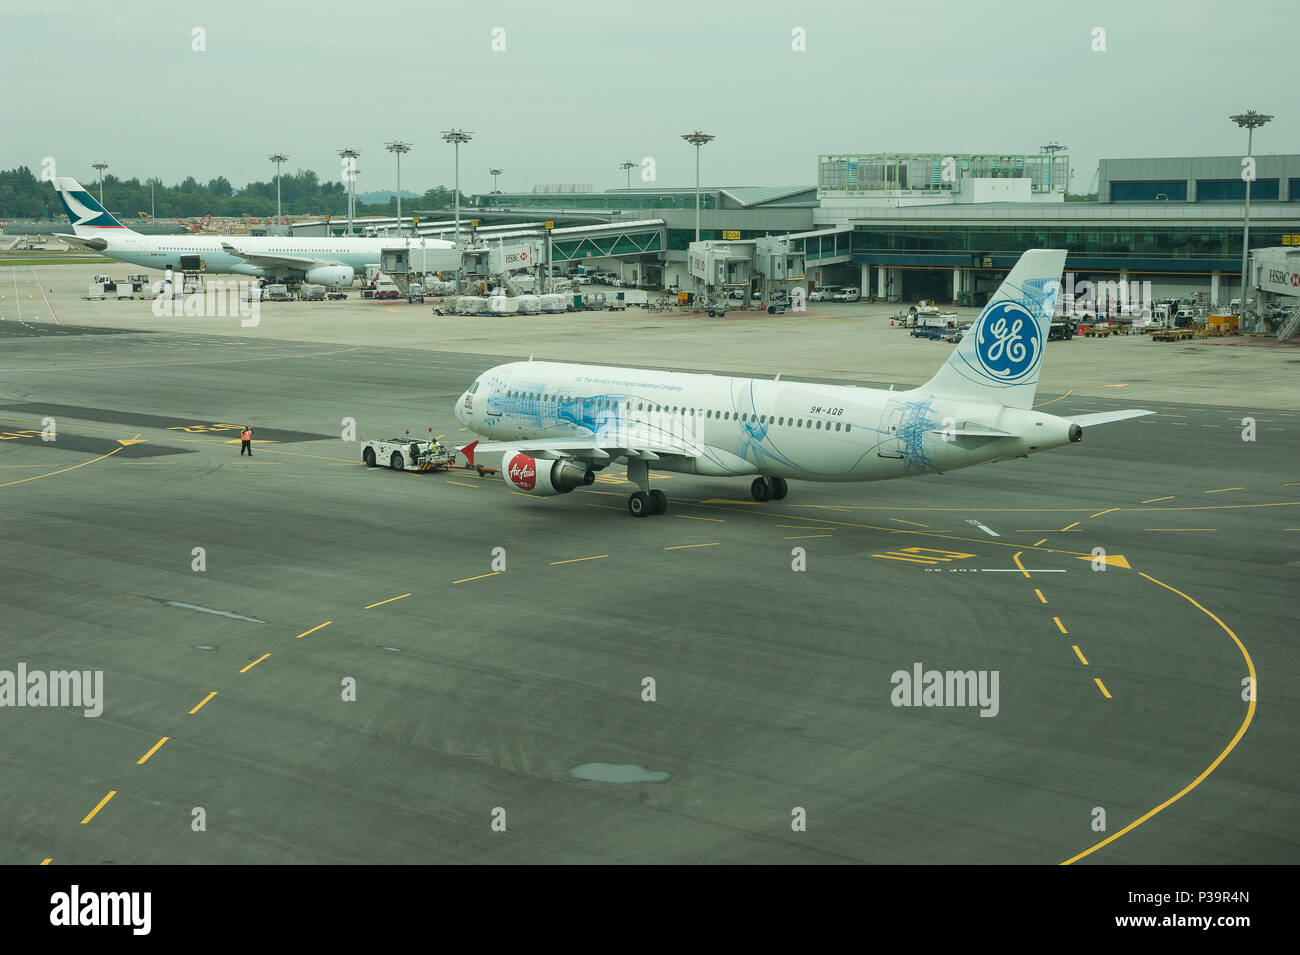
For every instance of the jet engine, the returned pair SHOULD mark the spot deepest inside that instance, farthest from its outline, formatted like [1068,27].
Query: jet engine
[543,477]
[331,275]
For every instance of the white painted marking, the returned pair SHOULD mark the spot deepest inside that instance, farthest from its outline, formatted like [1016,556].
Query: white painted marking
[986,530]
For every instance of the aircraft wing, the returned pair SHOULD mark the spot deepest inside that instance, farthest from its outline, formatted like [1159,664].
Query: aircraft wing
[1105,417]
[595,448]
[95,245]
[272,261]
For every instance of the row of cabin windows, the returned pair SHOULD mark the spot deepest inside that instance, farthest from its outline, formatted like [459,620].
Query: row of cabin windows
[608,404]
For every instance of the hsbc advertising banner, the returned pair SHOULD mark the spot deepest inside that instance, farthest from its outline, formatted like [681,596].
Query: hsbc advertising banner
[510,258]
[1281,279]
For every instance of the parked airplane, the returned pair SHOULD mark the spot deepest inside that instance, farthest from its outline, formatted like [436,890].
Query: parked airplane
[556,424]
[321,261]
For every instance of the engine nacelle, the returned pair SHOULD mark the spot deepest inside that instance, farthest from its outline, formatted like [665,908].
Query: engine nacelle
[331,275]
[543,477]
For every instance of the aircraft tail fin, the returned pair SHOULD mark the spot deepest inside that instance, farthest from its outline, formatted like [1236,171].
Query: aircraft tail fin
[86,216]
[999,357]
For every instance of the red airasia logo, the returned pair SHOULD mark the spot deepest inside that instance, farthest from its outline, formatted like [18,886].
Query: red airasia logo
[522,472]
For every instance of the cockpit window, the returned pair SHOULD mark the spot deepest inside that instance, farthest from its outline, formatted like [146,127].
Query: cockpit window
[474,387]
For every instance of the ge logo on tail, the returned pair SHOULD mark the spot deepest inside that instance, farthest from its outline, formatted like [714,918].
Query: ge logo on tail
[1008,342]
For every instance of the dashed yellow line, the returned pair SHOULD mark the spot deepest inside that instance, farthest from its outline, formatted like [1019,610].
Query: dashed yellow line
[102,803]
[1232,744]
[1099,513]
[1043,541]
[1222,489]
[382,602]
[314,629]
[575,560]
[255,663]
[1155,499]
[1074,525]
[1059,626]
[203,702]
[1016,558]
[804,537]
[692,517]
[1101,686]
[1178,529]
[46,861]
[913,523]
[1079,653]
[463,484]
[1041,598]
[479,577]
[156,747]
[685,546]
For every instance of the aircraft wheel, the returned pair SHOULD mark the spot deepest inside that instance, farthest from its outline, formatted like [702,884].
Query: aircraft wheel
[369,457]
[779,489]
[658,501]
[638,505]
[761,489]
[396,462]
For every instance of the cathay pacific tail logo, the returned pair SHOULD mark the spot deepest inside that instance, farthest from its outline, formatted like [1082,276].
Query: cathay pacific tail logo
[83,210]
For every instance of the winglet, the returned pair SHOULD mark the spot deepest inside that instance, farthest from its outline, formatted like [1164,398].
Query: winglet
[468,451]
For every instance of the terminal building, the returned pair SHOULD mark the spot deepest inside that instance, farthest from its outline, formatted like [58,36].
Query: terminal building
[902,227]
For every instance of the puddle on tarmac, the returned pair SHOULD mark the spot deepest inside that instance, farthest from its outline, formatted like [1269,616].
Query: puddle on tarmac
[619,773]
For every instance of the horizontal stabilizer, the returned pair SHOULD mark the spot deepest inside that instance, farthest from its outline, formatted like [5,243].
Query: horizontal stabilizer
[972,432]
[95,245]
[1105,417]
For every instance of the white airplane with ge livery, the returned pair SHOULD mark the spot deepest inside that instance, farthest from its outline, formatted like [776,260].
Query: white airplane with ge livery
[556,424]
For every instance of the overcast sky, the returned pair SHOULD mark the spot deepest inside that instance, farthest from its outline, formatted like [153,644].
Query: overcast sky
[582,85]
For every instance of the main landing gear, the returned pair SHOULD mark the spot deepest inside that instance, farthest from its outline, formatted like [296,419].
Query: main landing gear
[768,489]
[646,501]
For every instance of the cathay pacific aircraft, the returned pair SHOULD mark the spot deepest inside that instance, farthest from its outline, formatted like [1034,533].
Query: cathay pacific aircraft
[321,261]
[557,424]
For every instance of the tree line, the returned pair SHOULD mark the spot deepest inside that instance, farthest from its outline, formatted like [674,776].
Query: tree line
[24,196]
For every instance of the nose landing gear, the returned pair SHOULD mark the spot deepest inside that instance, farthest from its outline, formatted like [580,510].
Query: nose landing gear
[646,501]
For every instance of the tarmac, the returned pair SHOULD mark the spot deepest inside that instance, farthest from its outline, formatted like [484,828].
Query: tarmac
[414,668]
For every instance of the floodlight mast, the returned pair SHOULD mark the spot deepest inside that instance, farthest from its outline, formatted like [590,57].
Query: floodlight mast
[1251,120]
[697,139]
[398,147]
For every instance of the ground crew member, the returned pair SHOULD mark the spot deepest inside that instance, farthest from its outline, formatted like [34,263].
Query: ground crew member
[246,441]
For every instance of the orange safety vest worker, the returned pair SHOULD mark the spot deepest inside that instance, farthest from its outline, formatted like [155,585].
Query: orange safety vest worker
[246,436]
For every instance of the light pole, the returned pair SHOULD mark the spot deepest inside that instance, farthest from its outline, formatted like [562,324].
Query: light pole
[277,158]
[627,167]
[351,155]
[1249,119]
[494,173]
[456,137]
[697,139]
[398,147]
[100,167]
